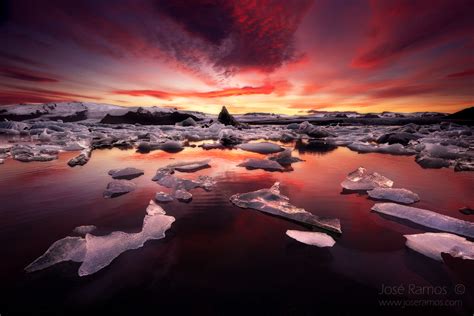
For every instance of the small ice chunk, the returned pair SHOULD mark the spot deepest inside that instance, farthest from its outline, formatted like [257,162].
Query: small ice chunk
[66,249]
[273,202]
[85,229]
[215,145]
[433,244]
[426,218]
[183,195]
[118,187]
[154,209]
[163,197]
[261,148]
[126,173]
[311,238]
[265,164]
[80,159]
[361,180]
[191,166]
[171,146]
[431,163]
[101,250]
[396,195]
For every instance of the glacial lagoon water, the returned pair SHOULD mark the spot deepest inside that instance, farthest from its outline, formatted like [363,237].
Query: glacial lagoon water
[218,258]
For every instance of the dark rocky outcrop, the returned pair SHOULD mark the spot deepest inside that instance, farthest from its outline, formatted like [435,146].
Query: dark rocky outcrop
[144,117]
[226,118]
[466,114]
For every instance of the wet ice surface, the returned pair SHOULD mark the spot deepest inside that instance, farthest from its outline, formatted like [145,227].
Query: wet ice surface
[101,250]
[273,202]
[311,238]
[66,249]
[433,244]
[394,194]
[426,218]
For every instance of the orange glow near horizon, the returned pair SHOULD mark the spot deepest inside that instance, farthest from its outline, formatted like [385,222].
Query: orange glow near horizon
[293,58]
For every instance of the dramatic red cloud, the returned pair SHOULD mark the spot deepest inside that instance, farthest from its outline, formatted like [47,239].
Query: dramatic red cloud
[266,55]
[399,27]
[267,89]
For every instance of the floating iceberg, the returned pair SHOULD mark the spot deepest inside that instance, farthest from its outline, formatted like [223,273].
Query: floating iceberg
[118,187]
[426,218]
[265,164]
[361,180]
[126,173]
[97,252]
[163,197]
[273,202]
[396,195]
[433,244]
[83,230]
[311,238]
[261,148]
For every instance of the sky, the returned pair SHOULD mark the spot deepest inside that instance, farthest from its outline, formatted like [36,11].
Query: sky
[275,56]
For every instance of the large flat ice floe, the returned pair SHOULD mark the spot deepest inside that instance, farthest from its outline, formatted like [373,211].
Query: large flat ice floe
[394,194]
[273,202]
[97,252]
[426,218]
[311,238]
[362,180]
[433,244]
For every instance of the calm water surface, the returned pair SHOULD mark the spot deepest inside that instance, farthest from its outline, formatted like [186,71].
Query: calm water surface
[218,258]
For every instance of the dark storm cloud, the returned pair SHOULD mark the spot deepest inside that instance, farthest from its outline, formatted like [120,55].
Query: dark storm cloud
[399,27]
[226,35]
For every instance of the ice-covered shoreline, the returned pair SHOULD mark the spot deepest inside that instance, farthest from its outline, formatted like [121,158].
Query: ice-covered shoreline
[438,145]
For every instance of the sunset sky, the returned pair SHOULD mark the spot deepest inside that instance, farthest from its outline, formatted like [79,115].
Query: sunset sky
[259,55]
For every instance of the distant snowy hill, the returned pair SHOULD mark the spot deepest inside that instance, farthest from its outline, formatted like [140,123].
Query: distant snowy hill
[79,111]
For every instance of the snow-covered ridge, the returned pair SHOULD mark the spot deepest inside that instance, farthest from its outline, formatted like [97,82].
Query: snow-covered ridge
[76,111]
